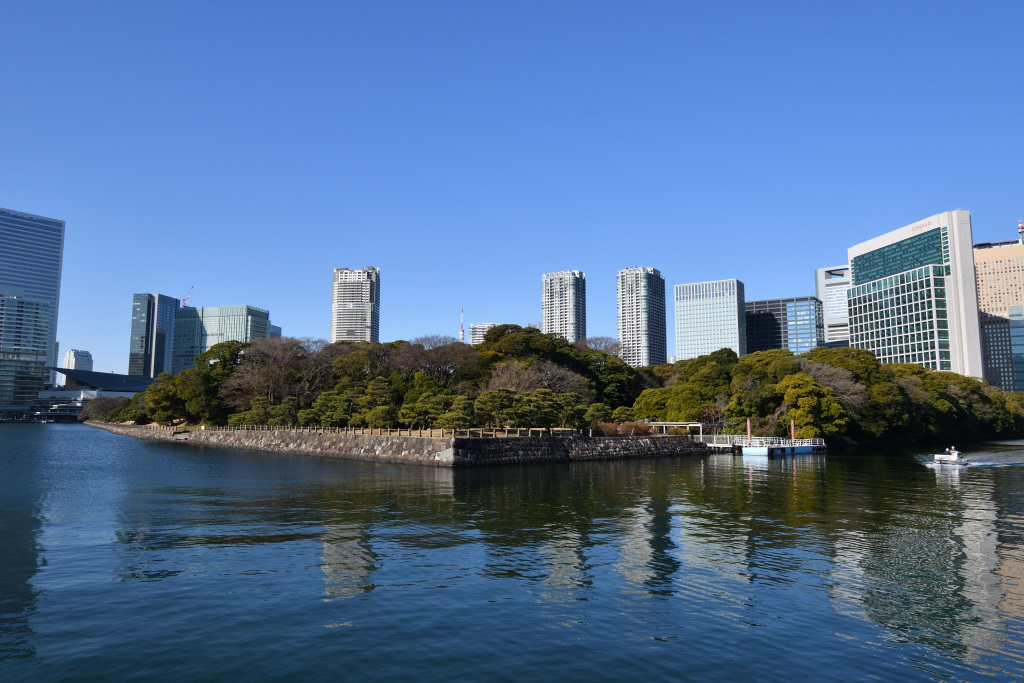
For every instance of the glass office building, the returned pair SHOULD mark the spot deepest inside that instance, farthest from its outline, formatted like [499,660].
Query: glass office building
[796,324]
[641,316]
[24,348]
[709,317]
[31,258]
[197,329]
[913,298]
[150,349]
[564,305]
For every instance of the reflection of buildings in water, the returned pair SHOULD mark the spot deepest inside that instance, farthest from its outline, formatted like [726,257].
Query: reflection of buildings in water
[713,559]
[1007,486]
[647,551]
[846,575]
[928,573]
[977,536]
[348,561]
[566,563]
[19,562]
[1010,575]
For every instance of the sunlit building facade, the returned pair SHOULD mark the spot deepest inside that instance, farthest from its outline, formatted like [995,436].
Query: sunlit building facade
[24,348]
[477,331]
[564,305]
[641,316]
[710,316]
[831,285]
[31,259]
[999,275]
[355,305]
[913,297]
[76,359]
[198,329]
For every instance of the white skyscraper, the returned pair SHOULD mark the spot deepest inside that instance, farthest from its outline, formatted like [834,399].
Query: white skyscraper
[913,296]
[710,316]
[641,309]
[355,305]
[831,285]
[477,331]
[564,305]
[74,359]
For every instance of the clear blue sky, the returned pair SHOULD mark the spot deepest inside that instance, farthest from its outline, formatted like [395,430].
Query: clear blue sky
[465,148]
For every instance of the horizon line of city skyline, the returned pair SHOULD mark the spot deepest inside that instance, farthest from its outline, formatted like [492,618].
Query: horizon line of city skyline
[532,323]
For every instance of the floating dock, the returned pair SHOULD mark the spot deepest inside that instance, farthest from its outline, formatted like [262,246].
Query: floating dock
[762,445]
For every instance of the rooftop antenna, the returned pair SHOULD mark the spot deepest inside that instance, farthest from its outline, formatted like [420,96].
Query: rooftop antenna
[184,303]
[1020,232]
[462,330]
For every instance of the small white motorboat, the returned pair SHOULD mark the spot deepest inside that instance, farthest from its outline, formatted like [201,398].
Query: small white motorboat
[950,457]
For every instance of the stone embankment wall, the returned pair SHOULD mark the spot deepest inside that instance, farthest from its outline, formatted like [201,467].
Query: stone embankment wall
[404,449]
[528,450]
[417,450]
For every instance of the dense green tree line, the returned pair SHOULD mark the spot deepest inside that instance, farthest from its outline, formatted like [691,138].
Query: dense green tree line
[842,394]
[517,377]
[520,377]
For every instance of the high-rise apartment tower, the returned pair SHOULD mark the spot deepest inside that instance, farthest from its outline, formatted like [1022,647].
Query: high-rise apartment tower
[355,305]
[641,313]
[477,331]
[913,297]
[564,305]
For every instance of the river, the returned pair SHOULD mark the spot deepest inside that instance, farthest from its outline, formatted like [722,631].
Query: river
[123,559]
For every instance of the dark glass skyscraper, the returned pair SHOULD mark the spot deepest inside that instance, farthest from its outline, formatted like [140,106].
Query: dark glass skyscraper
[796,324]
[31,257]
[151,348]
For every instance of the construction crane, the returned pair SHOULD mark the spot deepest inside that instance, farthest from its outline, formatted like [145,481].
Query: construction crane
[184,303]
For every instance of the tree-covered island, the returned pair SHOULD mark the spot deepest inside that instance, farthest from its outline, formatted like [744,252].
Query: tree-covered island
[520,377]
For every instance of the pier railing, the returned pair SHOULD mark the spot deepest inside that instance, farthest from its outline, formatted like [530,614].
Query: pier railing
[729,440]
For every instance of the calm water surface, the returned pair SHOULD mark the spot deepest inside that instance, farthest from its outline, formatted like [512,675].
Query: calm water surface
[122,559]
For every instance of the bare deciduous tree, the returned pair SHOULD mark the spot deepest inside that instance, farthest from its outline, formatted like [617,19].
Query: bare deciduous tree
[522,377]
[609,345]
[433,341]
[853,395]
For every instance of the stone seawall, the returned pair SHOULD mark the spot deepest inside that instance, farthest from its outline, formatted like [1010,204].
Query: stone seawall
[418,450]
[529,450]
